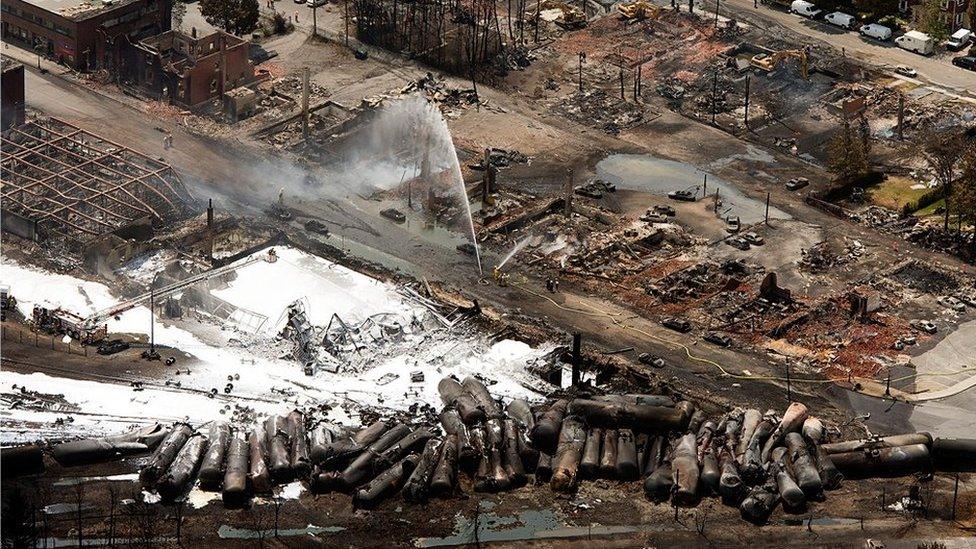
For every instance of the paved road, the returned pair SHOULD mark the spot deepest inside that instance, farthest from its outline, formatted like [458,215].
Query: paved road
[936,69]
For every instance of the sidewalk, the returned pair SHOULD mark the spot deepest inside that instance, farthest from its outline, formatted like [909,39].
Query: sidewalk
[30,61]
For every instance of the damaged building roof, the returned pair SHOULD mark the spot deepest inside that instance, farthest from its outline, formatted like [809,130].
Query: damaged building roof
[77,184]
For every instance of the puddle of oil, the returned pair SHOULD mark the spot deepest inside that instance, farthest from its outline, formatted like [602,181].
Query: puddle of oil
[646,173]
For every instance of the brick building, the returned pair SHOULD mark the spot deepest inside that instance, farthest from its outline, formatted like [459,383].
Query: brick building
[186,69]
[12,94]
[83,34]
[954,12]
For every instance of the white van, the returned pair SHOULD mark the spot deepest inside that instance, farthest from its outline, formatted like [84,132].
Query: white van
[841,19]
[959,39]
[916,41]
[876,31]
[804,8]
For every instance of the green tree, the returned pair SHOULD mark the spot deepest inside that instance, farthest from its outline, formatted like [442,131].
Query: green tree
[964,194]
[873,10]
[848,154]
[234,16]
[929,18]
[943,149]
[179,12]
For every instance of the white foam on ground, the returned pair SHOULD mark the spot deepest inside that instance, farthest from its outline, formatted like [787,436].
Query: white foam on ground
[266,288]
[326,288]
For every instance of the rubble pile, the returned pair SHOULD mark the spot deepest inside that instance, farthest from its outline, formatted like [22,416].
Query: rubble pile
[747,458]
[820,258]
[600,109]
[451,101]
[927,233]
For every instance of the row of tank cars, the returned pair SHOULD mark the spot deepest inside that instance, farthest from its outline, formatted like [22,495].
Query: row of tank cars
[913,40]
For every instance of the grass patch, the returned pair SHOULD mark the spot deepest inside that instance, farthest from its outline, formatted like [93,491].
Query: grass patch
[895,191]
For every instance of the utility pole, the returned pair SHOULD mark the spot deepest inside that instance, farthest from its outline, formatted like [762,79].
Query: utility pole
[152,322]
[705,186]
[717,2]
[747,101]
[305,73]
[714,95]
[789,388]
[577,357]
[621,81]
[315,26]
[767,208]
[901,117]
[582,59]
[955,496]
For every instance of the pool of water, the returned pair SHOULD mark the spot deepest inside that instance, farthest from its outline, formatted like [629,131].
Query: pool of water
[646,173]
[229,532]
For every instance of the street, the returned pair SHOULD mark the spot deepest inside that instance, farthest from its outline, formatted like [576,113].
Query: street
[936,69]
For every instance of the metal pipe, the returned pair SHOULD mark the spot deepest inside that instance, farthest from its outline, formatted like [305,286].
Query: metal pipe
[565,462]
[631,416]
[628,467]
[180,474]
[212,468]
[417,487]
[442,483]
[803,465]
[234,491]
[301,463]
[545,434]
[386,483]
[590,461]
[165,454]
[876,443]
[684,462]
[258,473]
[512,460]
[884,462]
[954,454]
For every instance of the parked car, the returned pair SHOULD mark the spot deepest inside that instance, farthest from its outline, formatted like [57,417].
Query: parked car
[738,242]
[967,298]
[299,1]
[926,326]
[876,31]
[686,196]
[721,340]
[653,217]
[951,303]
[806,9]
[965,62]
[916,41]
[841,19]
[664,209]
[394,215]
[906,71]
[653,361]
[677,324]
[112,347]
[732,224]
[797,183]
[959,40]
[316,226]
[753,239]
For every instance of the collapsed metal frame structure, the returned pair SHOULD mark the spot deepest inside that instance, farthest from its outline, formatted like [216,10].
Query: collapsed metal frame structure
[79,185]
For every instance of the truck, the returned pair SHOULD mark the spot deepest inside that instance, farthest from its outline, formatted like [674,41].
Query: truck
[916,41]
[959,39]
